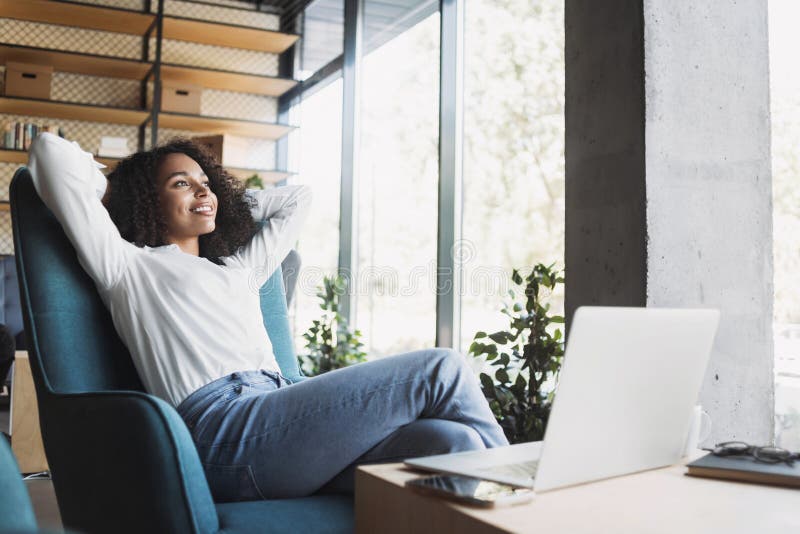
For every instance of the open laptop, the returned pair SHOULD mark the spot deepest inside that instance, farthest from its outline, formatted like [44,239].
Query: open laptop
[627,388]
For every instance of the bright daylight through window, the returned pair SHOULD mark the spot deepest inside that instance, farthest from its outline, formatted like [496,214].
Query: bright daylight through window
[513,209]
[398,187]
[785,103]
[513,189]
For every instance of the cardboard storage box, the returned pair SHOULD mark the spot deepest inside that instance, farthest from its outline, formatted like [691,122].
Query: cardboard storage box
[28,80]
[230,151]
[178,97]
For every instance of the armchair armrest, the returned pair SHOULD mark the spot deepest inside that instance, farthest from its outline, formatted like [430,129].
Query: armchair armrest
[135,460]
[276,320]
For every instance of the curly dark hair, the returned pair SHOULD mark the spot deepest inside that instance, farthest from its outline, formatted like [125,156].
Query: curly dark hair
[132,200]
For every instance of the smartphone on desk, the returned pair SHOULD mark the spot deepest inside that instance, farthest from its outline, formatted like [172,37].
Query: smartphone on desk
[471,490]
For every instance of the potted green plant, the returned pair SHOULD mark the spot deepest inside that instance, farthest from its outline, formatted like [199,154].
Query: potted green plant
[329,341]
[254,182]
[527,356]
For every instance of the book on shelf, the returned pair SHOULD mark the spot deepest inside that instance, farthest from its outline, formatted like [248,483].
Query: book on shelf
[20,135]
[746,469]
[29,134]
[8,135]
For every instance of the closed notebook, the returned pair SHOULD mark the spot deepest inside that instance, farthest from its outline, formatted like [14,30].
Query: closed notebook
[746,469]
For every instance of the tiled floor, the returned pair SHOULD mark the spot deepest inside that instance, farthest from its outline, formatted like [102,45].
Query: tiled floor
[44,503]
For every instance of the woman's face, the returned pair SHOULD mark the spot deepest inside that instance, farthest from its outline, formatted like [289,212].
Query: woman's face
[187,203]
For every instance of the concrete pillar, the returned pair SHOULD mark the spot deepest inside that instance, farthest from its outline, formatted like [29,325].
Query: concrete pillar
[705,174]
[605,259]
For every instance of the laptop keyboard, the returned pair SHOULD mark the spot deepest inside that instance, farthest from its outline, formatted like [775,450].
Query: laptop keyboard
[521,470]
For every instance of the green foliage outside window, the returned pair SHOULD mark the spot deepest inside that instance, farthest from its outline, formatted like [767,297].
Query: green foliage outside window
[527,356]
[254,182]
[330,343]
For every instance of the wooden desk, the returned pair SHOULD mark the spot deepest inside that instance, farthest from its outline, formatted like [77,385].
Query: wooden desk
[663,500]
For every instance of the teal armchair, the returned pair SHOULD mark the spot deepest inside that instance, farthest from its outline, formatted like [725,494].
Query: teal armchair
[16,510]
[123,460]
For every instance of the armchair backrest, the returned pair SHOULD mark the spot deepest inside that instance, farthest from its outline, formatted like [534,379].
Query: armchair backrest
[10,311]
[72,344]
[78,360]
[276,321]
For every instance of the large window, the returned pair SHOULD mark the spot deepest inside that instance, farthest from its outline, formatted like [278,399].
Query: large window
[317,151]
[785,102]
[323,31]
[397,205]
[513,205]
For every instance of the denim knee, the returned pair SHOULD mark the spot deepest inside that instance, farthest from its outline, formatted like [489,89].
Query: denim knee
[450,358]
[448,365]
[465,438]
[439,436]
[445,436]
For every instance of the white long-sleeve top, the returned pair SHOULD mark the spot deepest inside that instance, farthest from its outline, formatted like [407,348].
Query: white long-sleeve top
[185,320]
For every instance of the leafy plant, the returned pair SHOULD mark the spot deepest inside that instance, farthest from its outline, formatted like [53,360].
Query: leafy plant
[527,356]
[254,182]
[329,341]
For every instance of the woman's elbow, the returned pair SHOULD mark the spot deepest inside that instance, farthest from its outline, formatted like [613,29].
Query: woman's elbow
[305,197]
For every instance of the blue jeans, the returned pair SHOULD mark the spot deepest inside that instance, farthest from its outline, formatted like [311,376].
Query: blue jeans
[261,437]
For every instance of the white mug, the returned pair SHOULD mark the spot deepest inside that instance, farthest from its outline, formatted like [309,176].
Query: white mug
[699,430]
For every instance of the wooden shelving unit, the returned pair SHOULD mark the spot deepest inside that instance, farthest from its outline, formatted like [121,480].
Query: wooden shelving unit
[14,156]
[98,65]
[213,33]
[21,157]
[227,80]
[91,17]
[214,125]
[138,23]
[144,24]
[71,111]
[92,64]
[269,176]
[178,121]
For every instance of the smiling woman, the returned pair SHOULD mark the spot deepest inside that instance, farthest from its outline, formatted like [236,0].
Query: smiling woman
[152,193]
[188,204]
